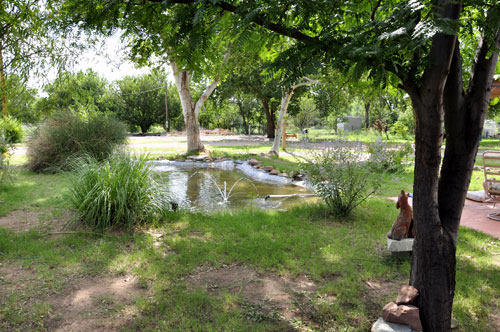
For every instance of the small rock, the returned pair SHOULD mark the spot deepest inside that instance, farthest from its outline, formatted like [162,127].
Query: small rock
[196,158]
[382,326]
[454,323]
[274,172]
[208,160]
[477,168]
[402,314]
[407,295]
[238,162]
[267,168]
[284,175]
[253,162]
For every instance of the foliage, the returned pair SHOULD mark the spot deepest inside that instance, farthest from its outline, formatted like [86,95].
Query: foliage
[142,101]
[399,128]
[383,158]
[119,191]
[67,134]
[21,100]
[308,114]
[5,153]
[11,130]
[340,177]
[82,92]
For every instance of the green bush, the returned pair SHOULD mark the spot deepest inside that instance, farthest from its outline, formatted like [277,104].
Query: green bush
[4,160]
[11,129]
[385,159]
[68,135]
[119,191]
[340,176]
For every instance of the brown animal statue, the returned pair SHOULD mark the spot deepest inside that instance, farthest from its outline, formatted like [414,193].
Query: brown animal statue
[403,227]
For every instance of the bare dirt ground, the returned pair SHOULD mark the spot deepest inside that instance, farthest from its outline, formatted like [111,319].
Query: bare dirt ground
[291,298]
[103,303]
[267,293]
[43,220]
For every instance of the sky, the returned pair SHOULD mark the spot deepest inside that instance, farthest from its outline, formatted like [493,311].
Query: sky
[108,59]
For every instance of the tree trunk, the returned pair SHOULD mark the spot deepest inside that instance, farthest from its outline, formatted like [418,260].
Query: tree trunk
[367,116]
[3,85]
[438,201]
[270,118]
[285,100]
[191,110]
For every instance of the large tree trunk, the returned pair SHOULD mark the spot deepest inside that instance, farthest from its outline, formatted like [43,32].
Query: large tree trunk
[439,201]
[191,110]
[285,100]
[270,118]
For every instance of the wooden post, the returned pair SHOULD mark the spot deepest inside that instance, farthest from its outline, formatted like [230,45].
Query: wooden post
[167,124]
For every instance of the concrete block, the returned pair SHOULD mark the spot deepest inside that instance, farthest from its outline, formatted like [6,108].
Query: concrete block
[382,326]
[400,245]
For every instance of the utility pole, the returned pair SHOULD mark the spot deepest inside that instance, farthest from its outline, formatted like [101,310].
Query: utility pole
[167,124]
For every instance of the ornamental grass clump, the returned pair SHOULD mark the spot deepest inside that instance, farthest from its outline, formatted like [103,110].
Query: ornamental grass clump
[119,191]
[341,176]
[67,135]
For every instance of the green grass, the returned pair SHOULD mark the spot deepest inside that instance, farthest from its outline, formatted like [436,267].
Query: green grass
[340,256]
[28,190]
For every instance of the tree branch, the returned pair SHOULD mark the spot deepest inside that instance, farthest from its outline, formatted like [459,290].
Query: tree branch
[257,19]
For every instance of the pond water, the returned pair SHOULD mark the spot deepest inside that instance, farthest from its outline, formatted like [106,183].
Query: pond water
[208,187]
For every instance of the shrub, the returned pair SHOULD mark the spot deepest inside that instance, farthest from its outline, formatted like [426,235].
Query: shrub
[5,153]
[385,159]
[69,135]
[340,176]
[11,129]
[119,191]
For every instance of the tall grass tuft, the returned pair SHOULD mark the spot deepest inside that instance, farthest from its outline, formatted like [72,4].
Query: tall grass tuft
[119,191]
[67,135]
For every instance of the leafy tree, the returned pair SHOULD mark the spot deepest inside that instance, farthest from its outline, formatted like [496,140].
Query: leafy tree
[28,41]
[21,100]
[417,44]
[83,92]
[308,113]
[142,100]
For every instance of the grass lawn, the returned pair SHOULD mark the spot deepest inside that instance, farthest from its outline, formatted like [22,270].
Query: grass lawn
[247,270]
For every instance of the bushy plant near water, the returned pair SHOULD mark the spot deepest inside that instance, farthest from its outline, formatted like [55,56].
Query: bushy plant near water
[68,135]
[341,176]
[383,158]
[11,129]
[119,191]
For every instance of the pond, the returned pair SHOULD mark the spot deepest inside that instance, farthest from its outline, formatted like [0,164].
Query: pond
[223,185]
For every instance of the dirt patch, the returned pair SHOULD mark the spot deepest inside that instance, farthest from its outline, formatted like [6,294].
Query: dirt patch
[380,292]
[267,292]
[44,220]
[104,303]
[14,278]
[494,320]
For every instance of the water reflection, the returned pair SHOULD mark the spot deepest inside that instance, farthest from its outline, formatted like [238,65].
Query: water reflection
[214,189]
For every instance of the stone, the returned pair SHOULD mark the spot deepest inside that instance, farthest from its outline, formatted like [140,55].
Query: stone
[407,295]
[284,175]
[382,326]
[274,172]
[253,162]
[196,158]
[267,168]
[238,162]
[402,314]
[454,323]
[400,245]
